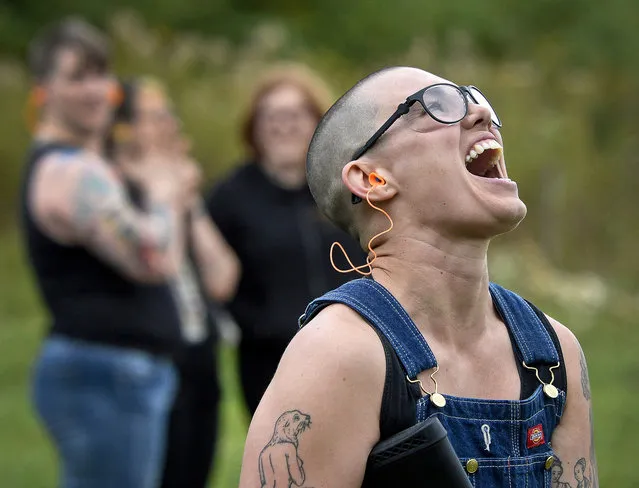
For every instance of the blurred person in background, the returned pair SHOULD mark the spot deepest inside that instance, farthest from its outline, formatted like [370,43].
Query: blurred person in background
[104,381]
[267,214]
[145,123]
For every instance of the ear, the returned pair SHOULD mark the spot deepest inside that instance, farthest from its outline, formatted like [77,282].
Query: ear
[38,95]
[358,177]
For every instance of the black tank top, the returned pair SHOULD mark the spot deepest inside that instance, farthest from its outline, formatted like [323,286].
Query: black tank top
[87,299]
[399,400]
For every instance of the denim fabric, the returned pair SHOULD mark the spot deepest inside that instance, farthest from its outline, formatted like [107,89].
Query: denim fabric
[503,438]
[106,410]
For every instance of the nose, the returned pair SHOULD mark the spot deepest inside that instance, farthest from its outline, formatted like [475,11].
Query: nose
[477,115]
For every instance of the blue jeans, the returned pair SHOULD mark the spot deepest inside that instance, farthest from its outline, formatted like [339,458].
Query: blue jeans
[106,410]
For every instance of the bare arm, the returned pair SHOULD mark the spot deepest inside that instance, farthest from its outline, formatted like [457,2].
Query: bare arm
[573,439]
[79,200]
[218,264]
[319,418]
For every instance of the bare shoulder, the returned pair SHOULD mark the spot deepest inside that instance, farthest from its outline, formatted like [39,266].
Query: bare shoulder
[343,342]
[576,368]
[328,387]
[570,346]
[61,172]
[65,164]
[340,328]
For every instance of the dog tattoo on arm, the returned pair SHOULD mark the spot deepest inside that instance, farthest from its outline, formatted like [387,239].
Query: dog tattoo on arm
[279,463]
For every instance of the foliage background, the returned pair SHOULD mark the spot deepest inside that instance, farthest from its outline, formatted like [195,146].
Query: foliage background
[564,76]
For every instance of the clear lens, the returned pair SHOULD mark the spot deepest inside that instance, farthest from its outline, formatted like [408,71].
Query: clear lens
[483,101]
[445,103]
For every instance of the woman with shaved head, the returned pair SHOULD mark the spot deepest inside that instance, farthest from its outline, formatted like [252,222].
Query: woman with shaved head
[413,166]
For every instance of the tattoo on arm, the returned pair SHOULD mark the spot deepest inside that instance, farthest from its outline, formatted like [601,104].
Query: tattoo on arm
[279,461]
[161,213]
[93,191]
[585,382]
[593,482]
[594,474]
[114,229]
[582,474]
[585,386]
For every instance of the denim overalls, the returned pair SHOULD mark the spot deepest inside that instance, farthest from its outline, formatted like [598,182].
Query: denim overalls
[501,443]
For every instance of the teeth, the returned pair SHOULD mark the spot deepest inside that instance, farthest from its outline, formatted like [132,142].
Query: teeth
[482,146]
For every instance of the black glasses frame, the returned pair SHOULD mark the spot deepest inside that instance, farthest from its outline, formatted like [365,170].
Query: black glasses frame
[403,108]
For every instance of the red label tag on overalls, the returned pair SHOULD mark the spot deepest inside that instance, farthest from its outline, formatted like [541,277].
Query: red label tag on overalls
[535,436]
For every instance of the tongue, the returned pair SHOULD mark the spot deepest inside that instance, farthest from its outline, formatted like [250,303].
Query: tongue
[481,165]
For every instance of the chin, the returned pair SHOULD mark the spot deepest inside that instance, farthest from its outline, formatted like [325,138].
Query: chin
[493,221]
[87,126]
[508,217]
[288,156]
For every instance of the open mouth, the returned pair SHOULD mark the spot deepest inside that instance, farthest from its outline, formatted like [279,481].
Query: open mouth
[484,159]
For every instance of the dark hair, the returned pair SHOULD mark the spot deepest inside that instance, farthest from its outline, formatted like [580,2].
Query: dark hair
[125,103]
[120,130]
[73,33]
[582,463]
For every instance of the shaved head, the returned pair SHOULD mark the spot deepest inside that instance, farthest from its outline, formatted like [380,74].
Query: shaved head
[429,185]
[343,129]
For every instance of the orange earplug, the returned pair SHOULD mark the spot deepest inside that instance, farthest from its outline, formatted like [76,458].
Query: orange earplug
[375,180]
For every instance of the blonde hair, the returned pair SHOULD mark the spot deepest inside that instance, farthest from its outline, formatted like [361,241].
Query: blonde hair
[315,90]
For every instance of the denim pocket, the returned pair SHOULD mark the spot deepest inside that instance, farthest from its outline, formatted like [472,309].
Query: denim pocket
[514,472]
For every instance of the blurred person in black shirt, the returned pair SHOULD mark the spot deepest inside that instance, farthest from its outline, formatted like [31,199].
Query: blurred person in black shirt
[146,123]
[103,257]
[267,214]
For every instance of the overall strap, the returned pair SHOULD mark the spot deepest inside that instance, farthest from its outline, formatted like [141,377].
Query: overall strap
[531,337]
[376,304]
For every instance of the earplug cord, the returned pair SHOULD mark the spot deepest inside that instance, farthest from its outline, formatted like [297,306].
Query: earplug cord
[375,182]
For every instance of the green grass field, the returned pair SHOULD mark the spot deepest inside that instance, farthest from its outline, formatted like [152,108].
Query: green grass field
[27,460]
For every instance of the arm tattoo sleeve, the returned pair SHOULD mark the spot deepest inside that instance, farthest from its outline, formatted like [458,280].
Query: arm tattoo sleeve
[114,229]
[161,213]
[279,462]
